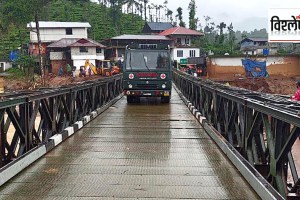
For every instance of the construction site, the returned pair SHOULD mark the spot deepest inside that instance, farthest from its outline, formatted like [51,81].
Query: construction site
[234,112]
[283,73]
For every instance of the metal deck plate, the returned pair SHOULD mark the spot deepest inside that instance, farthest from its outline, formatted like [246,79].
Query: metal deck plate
[145,151]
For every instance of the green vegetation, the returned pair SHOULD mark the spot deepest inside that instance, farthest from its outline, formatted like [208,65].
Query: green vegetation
[26,68]
[221,38]
[107,20]
[192,13]
[179,15]
[15,73]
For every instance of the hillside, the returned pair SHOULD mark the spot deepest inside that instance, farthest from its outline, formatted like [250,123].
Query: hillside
[105,22]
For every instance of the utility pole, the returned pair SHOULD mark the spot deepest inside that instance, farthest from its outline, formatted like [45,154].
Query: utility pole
[36,17]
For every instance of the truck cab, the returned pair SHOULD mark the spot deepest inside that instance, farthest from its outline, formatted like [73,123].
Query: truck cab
[147,73]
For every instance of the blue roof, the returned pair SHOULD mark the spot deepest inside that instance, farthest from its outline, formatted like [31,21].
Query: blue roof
[159,26]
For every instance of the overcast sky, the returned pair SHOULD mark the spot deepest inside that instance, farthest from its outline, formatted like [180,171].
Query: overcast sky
[245,15]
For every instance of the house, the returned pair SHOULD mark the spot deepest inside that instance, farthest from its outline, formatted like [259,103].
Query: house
[5,65]
[116,46]
[257,46]
[178,38]
[182,38]
[51,31]
[156,27]
[75,52]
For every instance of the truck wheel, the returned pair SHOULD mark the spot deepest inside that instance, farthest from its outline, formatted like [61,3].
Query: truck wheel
[137,99]
[130,99]
[165,100]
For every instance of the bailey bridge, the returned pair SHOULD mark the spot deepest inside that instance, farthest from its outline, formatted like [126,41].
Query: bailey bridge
[210,142]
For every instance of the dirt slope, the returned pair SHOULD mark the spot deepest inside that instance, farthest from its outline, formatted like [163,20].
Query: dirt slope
[51,81]
[274,85]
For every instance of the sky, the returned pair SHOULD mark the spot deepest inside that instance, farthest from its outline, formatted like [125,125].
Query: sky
[244,15]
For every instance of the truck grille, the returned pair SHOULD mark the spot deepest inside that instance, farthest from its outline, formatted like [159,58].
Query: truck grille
[147,86]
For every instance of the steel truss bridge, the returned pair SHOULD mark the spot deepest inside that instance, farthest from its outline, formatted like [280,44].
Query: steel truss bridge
[257,132]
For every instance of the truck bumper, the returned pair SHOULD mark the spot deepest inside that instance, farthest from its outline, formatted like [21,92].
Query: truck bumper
[148,93]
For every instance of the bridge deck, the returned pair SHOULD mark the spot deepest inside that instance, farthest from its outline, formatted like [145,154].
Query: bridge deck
[148,150]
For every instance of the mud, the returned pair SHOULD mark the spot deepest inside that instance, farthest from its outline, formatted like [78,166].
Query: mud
[274,85]
[11,85]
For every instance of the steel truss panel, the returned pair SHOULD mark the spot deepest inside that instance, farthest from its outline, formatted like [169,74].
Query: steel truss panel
[262,127]
[29,119]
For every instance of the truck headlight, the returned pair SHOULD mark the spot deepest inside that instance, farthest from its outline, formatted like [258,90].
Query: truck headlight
[163,86]
[130,86]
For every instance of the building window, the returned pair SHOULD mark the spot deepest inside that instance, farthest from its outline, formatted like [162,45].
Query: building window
[179,41]
[83,49]
[98,50]
[187,41]
[69,31]
[179,53]
[192,53]
[2,65]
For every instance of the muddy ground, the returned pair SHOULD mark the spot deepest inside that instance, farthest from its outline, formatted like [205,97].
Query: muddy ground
[273,84]
[11,85]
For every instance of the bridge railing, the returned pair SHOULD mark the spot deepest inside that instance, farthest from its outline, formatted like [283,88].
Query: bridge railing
[262,127]
[29,119]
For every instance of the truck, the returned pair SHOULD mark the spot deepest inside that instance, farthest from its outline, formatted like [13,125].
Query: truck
[147,73]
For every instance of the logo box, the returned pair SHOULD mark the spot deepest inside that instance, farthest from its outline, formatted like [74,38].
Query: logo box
[284,25]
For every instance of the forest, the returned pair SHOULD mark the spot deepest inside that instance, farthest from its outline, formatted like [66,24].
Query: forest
[109,18]
[106,20]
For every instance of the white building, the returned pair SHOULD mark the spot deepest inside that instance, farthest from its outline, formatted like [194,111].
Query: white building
[183,47]
[184,52]
[51,31]
[5,65]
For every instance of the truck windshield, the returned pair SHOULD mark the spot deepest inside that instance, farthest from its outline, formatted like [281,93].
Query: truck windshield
[147,60]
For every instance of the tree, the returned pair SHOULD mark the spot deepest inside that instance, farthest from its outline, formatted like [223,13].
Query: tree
[145,9]
[106,21]
[156,11]
[231,37]
[165,9]
[159,8]
[209,28]
[26,63]
[169,16]
[192,13]
[140,7]
[244,35]
[150,13]
[220,37]
[116,11]
[179,15]
[37,9]
[16,15]
[103,2]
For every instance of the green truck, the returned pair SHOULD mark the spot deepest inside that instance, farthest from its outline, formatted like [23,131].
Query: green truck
[147,73]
